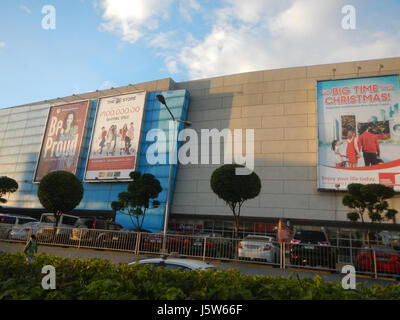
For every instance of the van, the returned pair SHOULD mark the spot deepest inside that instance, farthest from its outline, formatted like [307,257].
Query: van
[48,220]
[10,221]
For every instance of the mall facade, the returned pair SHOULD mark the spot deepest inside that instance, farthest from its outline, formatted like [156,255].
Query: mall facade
[293,135]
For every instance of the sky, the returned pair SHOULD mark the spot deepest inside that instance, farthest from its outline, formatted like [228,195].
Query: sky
[99,44]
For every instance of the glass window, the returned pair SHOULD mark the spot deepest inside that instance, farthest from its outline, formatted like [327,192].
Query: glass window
[24,220]
[114,226]
[48,219]
[176,266]
[70,221]
[7,220]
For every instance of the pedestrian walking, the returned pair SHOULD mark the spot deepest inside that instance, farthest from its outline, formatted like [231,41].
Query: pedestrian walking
[30,249]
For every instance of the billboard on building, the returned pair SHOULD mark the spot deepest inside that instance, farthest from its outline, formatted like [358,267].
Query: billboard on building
[62,139]
[358,132]
[115,137]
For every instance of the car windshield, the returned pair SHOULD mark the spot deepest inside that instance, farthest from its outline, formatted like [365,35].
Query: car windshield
[84,223]
[7,220]
[310,236]
[254,238]
[384,250]
[48,219]
[25,220]
[70,221]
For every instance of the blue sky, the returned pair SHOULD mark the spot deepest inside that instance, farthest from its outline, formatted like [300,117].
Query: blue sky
[109,43]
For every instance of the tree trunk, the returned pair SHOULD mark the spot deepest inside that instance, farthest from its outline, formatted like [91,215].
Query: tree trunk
[57,216]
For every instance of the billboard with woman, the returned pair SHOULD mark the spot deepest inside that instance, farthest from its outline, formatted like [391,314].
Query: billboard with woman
[62,139]
[358,136]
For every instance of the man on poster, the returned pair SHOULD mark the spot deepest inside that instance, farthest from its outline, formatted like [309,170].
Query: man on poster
[369,144]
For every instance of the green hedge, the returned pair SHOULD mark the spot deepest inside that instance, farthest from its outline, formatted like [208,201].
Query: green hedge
[100,279]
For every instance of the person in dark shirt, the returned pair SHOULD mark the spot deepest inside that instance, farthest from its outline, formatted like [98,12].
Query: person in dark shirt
[30,249]
[369,144]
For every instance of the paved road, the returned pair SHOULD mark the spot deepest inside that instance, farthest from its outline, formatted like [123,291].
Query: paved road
[125,257]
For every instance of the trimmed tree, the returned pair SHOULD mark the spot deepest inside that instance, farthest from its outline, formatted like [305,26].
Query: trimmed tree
[370,199]
[234,189]
[137,199]
[60,192]
[7,185]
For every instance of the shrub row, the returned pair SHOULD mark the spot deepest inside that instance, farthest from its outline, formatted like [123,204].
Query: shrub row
[100,279]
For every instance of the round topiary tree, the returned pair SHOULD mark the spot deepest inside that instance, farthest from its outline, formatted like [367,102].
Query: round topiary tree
[7,185]
[60,192]
[235,189]
[138,198]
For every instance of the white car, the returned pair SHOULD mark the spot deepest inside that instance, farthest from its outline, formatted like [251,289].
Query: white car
[181,264]
[259,248]
[9,221]
[22,232]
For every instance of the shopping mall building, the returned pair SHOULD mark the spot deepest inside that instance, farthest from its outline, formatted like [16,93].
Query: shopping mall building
[296,114]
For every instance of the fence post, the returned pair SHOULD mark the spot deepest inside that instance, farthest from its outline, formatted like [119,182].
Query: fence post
[204,248]
[351,249]
[138,238]
[80,238]
[375,270]
[284,255]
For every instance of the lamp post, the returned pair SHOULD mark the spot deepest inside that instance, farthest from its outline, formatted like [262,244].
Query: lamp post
[161,99]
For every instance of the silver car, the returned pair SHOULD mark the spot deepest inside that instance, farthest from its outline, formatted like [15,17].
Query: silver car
[259,248]
[180,264]
[22,232]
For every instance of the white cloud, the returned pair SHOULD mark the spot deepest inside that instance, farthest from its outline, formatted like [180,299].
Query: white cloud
[106,85]
[163,40]
[2,45]
[187,8]
[250,35]
[25,8]
[305,32]
[131,18]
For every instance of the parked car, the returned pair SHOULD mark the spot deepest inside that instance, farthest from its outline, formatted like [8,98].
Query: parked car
[23,231]
[153,242]
[8,221]
[387,260]
[180,264]
[216,246]
[263,248]
[48,221]
[95,232]
[312,248]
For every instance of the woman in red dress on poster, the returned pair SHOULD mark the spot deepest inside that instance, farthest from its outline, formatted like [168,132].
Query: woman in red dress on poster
[352,151]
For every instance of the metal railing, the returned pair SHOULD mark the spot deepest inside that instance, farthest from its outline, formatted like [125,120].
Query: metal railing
[382,261]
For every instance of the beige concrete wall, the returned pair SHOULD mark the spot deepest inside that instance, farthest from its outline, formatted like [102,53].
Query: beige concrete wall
[281,106]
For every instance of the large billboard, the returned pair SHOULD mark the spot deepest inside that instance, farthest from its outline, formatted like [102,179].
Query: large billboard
[62,139]
[115,137]
[358,132]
